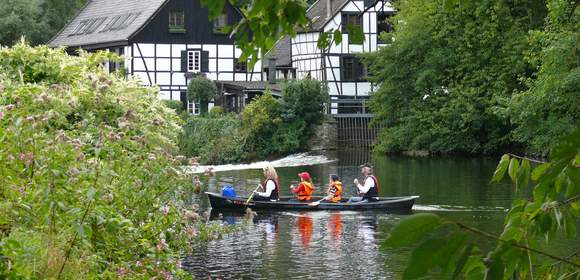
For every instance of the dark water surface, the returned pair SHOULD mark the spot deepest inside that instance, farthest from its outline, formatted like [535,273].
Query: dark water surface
[345,245]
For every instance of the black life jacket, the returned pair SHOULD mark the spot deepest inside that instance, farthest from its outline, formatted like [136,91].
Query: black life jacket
[374,191]
[275,194]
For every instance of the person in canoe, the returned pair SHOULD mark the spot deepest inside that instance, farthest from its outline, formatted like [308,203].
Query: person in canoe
[304,191]
[270,186]
[369,190]
[334,189]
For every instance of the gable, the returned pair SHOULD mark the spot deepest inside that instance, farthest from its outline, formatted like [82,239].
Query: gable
[197,26]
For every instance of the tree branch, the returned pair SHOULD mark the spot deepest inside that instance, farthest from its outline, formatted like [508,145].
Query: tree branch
[491,236]
[525,158]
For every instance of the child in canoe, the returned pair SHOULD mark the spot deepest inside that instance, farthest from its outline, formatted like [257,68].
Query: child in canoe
[304,191]
[334,189]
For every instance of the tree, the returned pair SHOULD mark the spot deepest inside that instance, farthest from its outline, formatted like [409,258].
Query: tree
[446,79]
[202,90]
[22,18]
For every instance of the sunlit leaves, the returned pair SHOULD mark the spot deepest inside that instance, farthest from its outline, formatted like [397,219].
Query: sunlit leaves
[413,228]
[513,168]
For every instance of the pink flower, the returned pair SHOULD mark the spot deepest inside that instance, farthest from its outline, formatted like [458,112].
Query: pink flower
[162,245]
[164,210]
[121,272]
[22,156]
[1,115]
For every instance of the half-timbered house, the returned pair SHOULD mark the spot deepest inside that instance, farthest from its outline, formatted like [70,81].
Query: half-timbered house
[165,43]
[340,66]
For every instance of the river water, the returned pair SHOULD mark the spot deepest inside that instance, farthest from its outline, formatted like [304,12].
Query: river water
[344,245]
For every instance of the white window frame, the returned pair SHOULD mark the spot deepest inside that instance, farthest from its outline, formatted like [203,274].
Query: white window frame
[194,61]
[193,108]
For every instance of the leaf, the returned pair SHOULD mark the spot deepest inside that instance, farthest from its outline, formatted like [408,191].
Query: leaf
[412,228]
[524,174]
[538,171]
[496,269]
[337,35]
[513,169]
[91,194]
[423,258]
[500,169]
[462,260]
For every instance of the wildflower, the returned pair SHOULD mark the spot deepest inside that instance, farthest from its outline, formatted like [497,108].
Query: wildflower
[138,264]
[11,157]
[190,215]
[1,115]
[10,107]
[109,197]
[121,272]
[191,232]
[166,275]
[151,156]
[73,171]
[164,209]
[30,118]
[161,245]
[22,156]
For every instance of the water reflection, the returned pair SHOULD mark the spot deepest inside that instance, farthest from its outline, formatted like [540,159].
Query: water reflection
[304,226]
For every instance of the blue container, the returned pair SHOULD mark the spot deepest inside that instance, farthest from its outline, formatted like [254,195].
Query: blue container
[229,191]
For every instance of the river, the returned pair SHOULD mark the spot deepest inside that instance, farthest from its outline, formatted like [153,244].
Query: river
[345,245]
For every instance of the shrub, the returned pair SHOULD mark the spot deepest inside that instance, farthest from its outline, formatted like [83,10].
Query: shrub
[201,89]
[216,112]
[176,105]
[87,173]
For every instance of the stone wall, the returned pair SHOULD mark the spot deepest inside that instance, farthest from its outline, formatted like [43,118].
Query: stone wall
[325,136]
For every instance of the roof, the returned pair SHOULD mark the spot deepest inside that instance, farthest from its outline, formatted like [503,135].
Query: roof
[106,22]
[282,51]
[317,13]
[253,85]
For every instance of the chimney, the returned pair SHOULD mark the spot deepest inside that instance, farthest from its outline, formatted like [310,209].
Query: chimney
[328,9]
[271,69]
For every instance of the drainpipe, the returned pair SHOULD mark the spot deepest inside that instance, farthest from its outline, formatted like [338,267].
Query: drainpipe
[328,9]
[271,69]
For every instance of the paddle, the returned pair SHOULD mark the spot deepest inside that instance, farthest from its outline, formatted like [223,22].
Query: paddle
[316,203]
[252,196]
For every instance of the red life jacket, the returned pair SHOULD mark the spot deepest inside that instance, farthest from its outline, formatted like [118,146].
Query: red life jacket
[275,194]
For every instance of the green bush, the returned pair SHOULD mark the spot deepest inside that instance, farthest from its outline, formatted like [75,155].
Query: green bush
[88,175]
[175,105]
[216,112]
[202,90]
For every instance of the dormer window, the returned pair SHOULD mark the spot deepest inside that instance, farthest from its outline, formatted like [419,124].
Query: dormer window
[176,22]
[220,23]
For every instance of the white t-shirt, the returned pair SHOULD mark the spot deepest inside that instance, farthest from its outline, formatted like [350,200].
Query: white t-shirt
[270,187]
[368,184]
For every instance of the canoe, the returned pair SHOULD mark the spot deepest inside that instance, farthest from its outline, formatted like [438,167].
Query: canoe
[401,203]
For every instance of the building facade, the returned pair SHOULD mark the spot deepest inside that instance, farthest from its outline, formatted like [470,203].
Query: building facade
[166,42]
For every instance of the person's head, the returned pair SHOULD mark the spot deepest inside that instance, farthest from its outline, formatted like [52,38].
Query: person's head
[333,178]
[305,176]
[270,172]
[366,169]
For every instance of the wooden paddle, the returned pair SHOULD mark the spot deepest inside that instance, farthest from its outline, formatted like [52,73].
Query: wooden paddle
[316,203]
[252,195]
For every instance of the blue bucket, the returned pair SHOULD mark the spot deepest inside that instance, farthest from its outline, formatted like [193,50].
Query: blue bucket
[229,191]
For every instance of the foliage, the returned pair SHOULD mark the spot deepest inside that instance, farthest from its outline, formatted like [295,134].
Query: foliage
[214,140]
[266,127]
[447,77]
[37,20]
[201,89]
[216,112]
[554,209]
[549,107]
[89,186]
[175,105]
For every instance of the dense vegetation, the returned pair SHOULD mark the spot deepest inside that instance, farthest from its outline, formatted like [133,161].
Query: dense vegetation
[90,186]
[479,77]
[37,20]
[267,126]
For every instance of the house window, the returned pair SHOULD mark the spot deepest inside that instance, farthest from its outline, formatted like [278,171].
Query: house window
[193,108]
[220,23]
[352,69]
[384,24]
[193,61]
[352,24]
[241,65]
[176,22]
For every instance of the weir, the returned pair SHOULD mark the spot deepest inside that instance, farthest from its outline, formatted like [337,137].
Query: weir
[353,123]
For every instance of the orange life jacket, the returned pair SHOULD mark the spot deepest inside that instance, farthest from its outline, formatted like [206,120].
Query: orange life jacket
[305,190]
[335,189]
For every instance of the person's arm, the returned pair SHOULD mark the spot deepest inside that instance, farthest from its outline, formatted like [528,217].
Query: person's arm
[366,187]
[298,189]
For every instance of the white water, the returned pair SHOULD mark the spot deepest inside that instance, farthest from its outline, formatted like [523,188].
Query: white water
[302,159]
[456,208]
